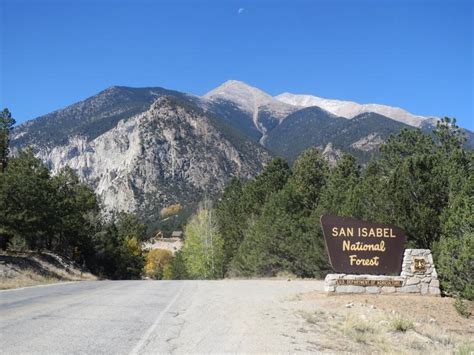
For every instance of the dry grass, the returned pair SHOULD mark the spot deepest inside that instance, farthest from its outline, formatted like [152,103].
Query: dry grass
[465,349]
[30,269]
[360,330]
[314,317]
[387,324]
[29,278]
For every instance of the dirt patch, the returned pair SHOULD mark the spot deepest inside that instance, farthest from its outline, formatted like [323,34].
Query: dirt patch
[384,323]
[33,268]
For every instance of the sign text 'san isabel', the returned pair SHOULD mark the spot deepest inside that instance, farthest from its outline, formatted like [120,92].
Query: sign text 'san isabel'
[356,246]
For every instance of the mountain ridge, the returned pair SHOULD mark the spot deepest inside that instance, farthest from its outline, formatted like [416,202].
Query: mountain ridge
[173,152]
[142,149]
[350,109]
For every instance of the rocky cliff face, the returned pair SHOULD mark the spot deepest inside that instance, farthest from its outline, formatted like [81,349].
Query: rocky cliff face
[143,149]
[171,153]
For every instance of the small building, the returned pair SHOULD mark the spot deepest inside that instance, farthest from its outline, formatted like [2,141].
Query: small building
[177,234]
[171,244]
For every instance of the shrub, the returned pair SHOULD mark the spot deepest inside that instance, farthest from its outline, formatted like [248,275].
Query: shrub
[461,308]
[178,267]
[168,272]
[455,264]
[156,261]
[402,325]
[170,210]
[17,243]
[360,330]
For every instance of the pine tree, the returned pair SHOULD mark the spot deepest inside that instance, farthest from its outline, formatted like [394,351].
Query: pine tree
[272,179]
[337,196]
[27,202]
[6,125]
[455,249]
[129,226]
[231,219]
[74,203]
[178,267]
[310,172]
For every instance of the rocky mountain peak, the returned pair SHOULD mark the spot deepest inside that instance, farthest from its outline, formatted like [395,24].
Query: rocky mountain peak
[265,111]
[245,96]
[249,98]
[142,149]
[171,153]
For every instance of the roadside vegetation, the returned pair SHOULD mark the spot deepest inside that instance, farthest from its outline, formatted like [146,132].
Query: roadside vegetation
[405,324]
[39,212]
[21,269]
[422,182]
[267,226]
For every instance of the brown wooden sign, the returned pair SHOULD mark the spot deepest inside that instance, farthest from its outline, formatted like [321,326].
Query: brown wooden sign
[358,247]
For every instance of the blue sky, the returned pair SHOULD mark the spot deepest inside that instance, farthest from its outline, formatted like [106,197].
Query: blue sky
[413,54]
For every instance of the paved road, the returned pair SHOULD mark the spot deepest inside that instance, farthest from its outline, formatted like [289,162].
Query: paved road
[144,317]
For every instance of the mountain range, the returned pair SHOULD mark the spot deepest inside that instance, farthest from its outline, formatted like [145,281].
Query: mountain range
[143,149]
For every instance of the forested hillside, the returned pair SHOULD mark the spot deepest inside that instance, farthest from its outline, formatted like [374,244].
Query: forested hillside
[422,183]
[58,213]
[144,149]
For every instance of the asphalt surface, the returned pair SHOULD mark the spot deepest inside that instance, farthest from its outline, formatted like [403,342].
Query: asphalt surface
[149,317]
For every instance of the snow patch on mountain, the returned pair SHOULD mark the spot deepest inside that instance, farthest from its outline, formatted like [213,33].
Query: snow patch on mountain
[252,101]
[249,98]
[350,109]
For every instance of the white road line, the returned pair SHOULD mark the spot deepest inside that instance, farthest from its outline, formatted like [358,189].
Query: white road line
[144,338]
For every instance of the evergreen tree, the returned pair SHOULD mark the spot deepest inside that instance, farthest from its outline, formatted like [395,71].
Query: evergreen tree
[370,200]
[27,202]
[178,267]
[248,208]
[416,185]
[338,194]
[407,143]
[272,179]
[74,203]
[309,176]
[454,251]
[6,125]
[449,136]
[418,195]
[231,219]
[282,238]
[115,257]
[129,226]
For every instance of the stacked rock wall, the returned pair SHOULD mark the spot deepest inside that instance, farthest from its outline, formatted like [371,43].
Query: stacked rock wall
[424,282]
[418,276]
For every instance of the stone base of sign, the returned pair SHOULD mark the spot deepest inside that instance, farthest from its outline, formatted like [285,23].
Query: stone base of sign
[418,276]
